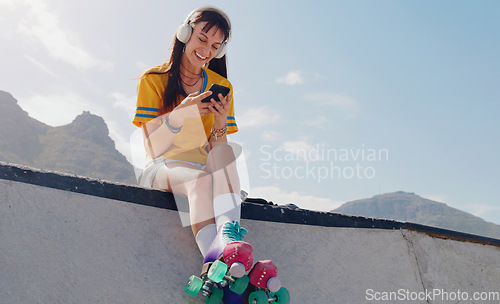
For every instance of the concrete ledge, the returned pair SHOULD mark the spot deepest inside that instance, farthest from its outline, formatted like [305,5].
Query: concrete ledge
[67,239]
[258,212]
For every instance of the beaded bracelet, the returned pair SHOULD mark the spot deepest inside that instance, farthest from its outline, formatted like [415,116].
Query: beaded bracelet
[172,129]
[216,133]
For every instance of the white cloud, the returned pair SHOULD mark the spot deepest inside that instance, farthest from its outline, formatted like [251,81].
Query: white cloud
[482,210]
[270,136]
[292,78]
[440,198]
[55,109]
[260,116]
[61,43]
[302,149]
[348,105]
[10,3]
[41,66]
[123,102]
[303,200]
[319,122]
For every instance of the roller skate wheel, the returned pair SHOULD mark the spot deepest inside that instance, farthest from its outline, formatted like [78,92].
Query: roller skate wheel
[215,297]
[239,286]
[258,297]
[273,284]
[217,271]
[193,286]
[237,270]
[281,297]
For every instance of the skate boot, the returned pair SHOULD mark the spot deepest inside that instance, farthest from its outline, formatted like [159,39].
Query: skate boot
[224,266]
[266,285]
[229,245]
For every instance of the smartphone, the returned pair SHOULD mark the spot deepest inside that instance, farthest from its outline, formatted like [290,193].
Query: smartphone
[216,89]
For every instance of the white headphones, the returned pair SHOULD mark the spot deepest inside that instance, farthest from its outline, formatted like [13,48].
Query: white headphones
[185,29]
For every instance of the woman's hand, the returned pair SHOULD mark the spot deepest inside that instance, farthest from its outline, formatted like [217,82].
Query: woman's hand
[190,107]
[220,109]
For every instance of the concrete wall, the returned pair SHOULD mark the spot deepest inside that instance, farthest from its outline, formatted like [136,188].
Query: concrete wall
[58,245]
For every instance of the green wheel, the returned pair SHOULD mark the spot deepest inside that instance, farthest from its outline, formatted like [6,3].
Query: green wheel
[215,297]
[282,296]
[240,285]
[193,286]
[217,271]
[258,297]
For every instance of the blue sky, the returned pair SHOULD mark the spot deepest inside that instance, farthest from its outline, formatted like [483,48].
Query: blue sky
[335,100]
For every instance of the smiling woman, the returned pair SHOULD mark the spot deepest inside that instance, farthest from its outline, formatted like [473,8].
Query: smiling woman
[178,127]
[188,154]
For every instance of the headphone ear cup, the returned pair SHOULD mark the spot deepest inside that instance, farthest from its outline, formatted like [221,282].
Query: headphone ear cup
[221,52]
[184,33]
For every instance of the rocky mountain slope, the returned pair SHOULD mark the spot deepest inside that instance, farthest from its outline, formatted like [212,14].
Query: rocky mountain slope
[409,207]
[82,147]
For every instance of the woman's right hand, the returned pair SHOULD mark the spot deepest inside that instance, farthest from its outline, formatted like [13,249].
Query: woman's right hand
[190,107]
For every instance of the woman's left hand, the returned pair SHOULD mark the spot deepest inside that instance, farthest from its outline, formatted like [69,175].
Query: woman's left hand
[220,109]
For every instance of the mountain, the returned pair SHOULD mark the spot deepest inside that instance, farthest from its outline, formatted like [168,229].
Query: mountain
[82,147]
[403,206]
[19,135]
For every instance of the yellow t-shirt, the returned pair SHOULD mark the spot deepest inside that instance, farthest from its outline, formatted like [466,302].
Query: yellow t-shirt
[191,143]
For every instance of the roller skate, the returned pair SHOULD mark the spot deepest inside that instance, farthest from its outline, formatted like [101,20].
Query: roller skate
[224,266]
[266,287]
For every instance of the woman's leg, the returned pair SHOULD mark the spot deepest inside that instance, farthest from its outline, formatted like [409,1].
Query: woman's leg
[237,254]
[196,184]
[221,163]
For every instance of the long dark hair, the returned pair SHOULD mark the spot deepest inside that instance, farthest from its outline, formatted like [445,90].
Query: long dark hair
[173,69]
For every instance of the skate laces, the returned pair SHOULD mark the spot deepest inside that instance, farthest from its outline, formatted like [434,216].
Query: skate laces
[233,231]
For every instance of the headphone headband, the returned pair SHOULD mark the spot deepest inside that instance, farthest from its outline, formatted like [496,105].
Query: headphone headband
[209,9]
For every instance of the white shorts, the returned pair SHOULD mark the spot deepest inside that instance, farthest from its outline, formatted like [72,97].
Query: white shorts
[148,175]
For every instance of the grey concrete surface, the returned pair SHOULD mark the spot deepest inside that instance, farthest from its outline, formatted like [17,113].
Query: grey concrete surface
[63,247]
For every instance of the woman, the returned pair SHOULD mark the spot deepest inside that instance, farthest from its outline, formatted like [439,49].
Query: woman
[185,138]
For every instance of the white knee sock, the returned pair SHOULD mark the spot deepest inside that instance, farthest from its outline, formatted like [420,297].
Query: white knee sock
[205,237]
[227,207]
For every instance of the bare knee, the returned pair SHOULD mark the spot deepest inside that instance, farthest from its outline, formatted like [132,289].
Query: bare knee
[221,156]
[223,150]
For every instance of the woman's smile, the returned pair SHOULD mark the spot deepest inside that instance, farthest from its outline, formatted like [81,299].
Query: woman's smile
[202,58]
